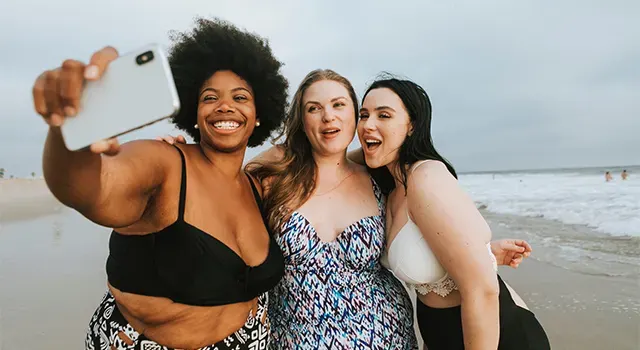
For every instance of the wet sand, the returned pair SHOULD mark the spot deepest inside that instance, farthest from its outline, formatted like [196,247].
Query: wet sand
[578,310]
[52,277]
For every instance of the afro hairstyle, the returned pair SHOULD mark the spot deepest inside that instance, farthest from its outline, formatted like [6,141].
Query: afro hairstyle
[214,45]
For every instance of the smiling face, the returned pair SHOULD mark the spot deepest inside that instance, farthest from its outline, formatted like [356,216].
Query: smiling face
[329,120]
[226,112]
[383,126]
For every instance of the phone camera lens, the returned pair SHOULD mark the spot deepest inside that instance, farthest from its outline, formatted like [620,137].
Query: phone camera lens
[144,58]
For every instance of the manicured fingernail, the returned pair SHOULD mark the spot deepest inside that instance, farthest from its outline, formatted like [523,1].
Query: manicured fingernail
[69,111]
[91,72]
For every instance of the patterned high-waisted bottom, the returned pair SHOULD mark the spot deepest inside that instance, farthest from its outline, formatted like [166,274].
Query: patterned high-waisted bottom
[109,330]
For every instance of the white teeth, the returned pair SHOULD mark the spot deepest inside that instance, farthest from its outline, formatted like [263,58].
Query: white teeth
[227,125]
[372,141]
[330,131]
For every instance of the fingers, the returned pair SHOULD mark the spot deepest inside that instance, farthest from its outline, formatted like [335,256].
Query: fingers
[171,139]
[46,97]
[109,147]
[51,97]
[166,138]
[516,260]
[56,93]
[511,245]
[99,62]
[525,244]
[114,148]
[71,81]
[39,103]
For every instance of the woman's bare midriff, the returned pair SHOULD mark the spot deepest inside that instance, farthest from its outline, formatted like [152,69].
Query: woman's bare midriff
[181,326]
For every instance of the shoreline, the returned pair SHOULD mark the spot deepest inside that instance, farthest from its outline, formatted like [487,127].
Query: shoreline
[24,199]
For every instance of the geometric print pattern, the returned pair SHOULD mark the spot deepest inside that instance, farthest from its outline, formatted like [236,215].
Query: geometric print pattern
[109,330]
[337,295]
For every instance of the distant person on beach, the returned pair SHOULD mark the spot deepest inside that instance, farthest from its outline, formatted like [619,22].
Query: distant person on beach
[437,240]
[190,258]
[607,176]
[329,218]
[624,174]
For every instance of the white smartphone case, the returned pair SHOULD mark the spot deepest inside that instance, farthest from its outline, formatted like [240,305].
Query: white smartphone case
[135,91]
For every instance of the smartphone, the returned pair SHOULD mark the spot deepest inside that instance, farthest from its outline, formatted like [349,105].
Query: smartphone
[136,90]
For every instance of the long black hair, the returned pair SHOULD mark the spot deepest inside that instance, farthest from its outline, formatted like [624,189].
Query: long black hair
[417,146]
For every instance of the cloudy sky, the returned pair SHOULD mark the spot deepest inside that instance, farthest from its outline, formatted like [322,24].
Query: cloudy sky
[514,84]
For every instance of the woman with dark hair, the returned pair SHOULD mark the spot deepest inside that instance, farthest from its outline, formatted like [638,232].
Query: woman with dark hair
[437,241]
[190,257]
[328,216]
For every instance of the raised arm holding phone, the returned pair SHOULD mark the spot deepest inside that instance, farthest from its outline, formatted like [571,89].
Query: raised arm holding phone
[190,259]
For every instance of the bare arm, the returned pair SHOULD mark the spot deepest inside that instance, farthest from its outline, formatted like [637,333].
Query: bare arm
[458,234]
[111,191]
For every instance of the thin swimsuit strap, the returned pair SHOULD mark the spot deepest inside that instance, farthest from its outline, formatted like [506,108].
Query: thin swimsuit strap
[183,189]
[417,164]
[256,194]
[183,185]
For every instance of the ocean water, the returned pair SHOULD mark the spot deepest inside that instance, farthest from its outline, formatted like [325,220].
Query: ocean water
[570,196]
[588,224]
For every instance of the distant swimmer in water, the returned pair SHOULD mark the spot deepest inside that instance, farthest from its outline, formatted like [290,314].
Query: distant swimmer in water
[607,176]
[624,174]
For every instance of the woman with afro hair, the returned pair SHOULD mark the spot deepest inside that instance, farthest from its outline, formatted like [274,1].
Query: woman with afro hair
[190,258]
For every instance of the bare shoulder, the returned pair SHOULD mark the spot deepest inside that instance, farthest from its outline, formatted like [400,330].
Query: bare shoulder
[358,168]
[273,154]
[431,182]
[360,173]
[144,160]
[430,172]
[147,150]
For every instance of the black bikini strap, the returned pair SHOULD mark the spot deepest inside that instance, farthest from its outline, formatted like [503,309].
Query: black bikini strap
[183,185]
[256,194]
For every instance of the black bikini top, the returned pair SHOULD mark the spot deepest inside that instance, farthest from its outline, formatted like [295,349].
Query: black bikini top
[189,266]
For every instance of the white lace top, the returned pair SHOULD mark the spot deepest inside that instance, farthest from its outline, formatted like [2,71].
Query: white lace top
[446,285]
[410,258]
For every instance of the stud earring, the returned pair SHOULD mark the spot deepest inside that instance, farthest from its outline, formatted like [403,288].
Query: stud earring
[257,123]
[195,126]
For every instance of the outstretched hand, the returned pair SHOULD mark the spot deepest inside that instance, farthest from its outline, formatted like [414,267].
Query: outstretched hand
[510,252]
[57,92]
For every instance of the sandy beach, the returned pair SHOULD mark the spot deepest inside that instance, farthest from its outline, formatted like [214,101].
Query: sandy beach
[52,277]
[578,310]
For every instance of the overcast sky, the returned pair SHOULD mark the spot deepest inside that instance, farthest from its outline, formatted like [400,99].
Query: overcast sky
[514,84]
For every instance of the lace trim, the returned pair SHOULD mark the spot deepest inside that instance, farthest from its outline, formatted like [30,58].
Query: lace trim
[446,284]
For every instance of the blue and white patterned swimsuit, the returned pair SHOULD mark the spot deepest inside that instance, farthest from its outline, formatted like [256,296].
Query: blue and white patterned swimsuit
[337,295]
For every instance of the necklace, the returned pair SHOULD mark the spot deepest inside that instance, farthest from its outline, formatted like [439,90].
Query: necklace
[336,186]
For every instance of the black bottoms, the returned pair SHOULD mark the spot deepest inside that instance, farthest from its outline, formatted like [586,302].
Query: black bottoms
[519,328]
